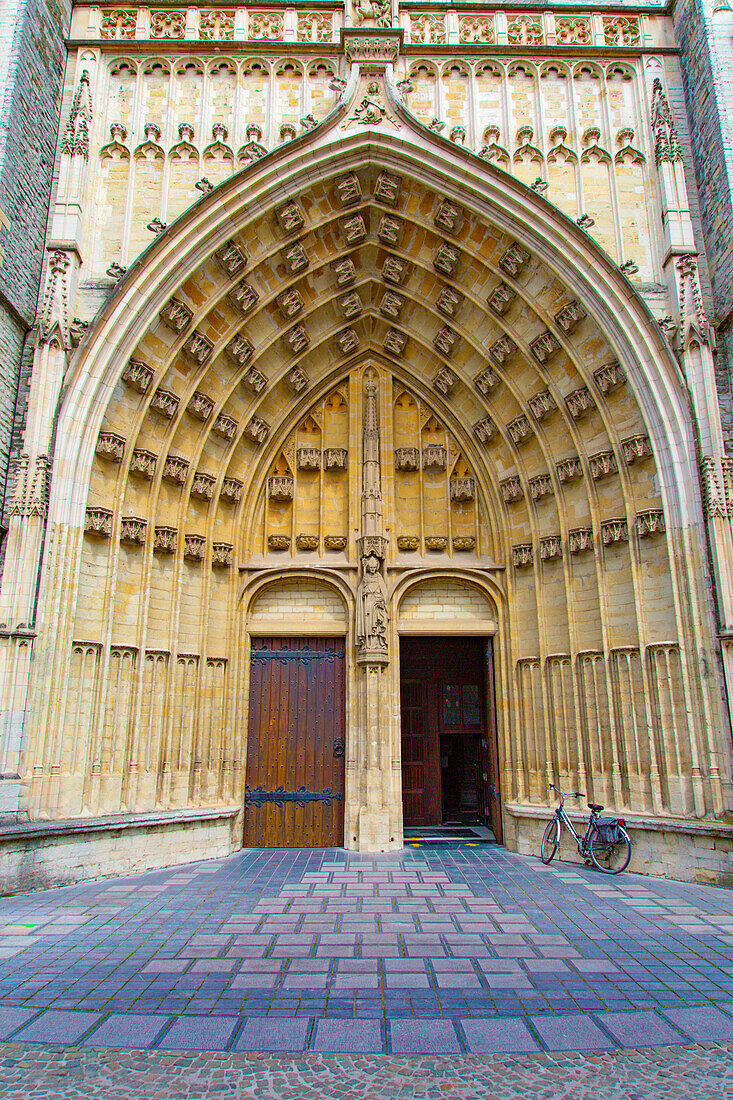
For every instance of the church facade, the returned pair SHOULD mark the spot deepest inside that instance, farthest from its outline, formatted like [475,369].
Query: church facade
[371,467]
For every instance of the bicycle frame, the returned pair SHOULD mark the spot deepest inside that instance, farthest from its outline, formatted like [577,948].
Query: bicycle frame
[562,816]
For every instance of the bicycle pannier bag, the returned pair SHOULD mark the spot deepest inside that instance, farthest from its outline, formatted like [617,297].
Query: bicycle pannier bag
[608,830]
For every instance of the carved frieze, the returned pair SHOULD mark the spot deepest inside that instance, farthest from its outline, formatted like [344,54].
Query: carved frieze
[138,375]
[502,350]
[222,554]
[407,458]
[175,469]
[408,542]
[446,259]
[550,547]
[436,543]
[391,305]
[98,521]
[394,341]
[257,429]
[519,429]
[244,297]
[570,316]
[289,217]
[347,341]
[231,490]
[254,380]
[433,456]
[462,489]
[278,542]
[542,404]
[110,446]
[297,380]
[636,448]
[232,259]
[449,301]
[544,345]
[614,530]
[308,458]
[511,489]
[203,485]
[176,316]
[448,217]
[290,303]
[165,402]
[194,547]
[165,539]
[296,340]
[569,469]
[280,487]
[198,348]
[351,304]
[485,429]
[133,529]
[348,189]
[522,555]
[344,271]
[239,350]
[306,542]
[501,298]
[444,381]
[295,258]
[335,542]
[486,381]
[464,543]
[540,486]
[650,522]
[387,188]
[580,540]
[602,463]
[446,340]
[580,402]
[225,426]
[353,229]
[514,260]
[609,377]
[200,406]
[335,458]
[143,463]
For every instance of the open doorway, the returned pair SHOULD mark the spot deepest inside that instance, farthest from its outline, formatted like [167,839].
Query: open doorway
[449,746]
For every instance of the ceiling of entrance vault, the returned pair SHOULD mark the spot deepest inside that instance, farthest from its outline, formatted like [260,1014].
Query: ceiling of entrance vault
[372,263]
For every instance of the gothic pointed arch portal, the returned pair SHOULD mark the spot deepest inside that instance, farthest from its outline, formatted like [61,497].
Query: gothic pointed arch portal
[401,365]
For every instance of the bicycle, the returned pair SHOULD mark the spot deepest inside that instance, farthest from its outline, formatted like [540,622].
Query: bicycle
[606,843]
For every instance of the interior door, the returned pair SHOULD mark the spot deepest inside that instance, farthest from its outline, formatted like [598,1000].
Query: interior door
[294,795]
[421,790]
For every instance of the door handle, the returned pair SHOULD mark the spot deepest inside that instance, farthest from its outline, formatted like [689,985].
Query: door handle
[338,746]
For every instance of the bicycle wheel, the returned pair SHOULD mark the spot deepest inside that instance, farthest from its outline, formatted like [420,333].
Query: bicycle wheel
[610,858]
[550,840]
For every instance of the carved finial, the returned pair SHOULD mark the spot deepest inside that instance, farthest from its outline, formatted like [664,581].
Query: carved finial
[666,141]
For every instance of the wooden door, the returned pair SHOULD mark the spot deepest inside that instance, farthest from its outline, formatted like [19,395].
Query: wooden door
[294,795]
[421,791]
[490,746]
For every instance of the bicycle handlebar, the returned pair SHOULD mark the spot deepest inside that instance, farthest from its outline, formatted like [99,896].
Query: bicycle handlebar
[566,794]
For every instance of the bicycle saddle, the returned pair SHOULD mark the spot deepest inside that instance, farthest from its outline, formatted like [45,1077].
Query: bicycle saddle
[595,806]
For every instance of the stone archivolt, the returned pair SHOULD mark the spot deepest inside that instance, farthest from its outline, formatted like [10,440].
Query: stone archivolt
[443,453]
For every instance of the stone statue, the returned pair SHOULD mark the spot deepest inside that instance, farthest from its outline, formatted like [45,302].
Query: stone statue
[371,609]
[371,110]
[378,12]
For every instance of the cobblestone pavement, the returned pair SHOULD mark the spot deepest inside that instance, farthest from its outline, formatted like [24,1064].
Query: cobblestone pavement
[444,949]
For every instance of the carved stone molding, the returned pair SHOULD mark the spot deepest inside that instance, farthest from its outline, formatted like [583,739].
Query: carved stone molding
[501,298]
[614,530]
[335,458]
[408,542]
[194,547]
[520,430]
[636,448]
[407,458]
[222,554]
[231,490]
[570,316]
[580,402]
[395,270]
[522,555]
[254,380]
[464,543]
[485,429]
[165,539]
[98,521]
[203,485]
[295,258]
[348,189]
[433,455]
[394,341]
[540,486]
[351,304]
[544,345]
[344,272]
[387,188]
[609,377]
[278,542]
[448,217]
[296,340]
[306,542]
[650,522]
[447,259]
[391,305]
[353,229]
[257,429]
[462,488]
[143,463]
[110,446]
[446,340]
[200,406]
[335,542]
[232,259]
[514,260]
[449,301]
[502,349]
[542,404]
[550,547]
[347,341]
[436,543]
[176,469]
[225,426]
[176,316]
[444,381]
[308,458]
[290,303]
[165,402]
[239,350]
[383,49]
[133,529]
[297,380]
[289,217]
[244,297]
[569,469]
[138,375]
[511,489]
[390,230]
[580,540]
[602,463]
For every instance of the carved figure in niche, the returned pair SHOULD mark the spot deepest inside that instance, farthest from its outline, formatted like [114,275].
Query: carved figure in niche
[378,12]
[371,609]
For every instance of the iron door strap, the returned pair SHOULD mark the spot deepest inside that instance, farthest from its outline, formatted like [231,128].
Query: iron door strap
[259,796]
[303,656]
